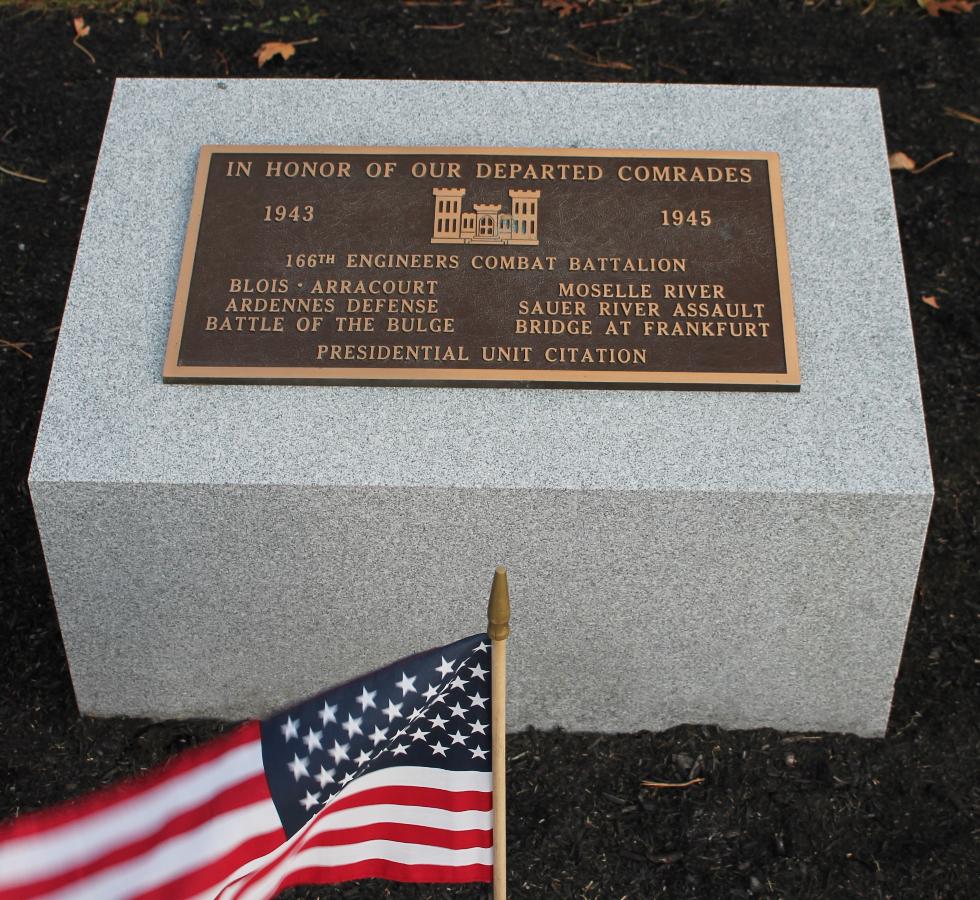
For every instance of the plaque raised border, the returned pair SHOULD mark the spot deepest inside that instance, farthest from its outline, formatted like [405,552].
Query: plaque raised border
[174,372]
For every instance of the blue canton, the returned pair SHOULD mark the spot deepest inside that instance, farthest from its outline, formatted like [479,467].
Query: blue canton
[431,709]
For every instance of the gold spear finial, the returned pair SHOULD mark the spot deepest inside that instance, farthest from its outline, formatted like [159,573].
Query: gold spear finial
[498,610]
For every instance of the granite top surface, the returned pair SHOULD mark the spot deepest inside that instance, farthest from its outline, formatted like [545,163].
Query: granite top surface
[856,426]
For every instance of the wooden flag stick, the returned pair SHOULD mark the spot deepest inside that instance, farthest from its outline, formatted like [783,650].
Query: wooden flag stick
[498,615]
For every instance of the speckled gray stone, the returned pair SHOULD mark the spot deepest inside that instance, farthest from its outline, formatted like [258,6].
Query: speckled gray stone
[738,558]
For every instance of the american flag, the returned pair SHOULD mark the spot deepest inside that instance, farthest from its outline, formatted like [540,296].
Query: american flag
[387,776]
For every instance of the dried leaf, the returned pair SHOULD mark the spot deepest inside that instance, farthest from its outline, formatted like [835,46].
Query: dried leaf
[930,301]
[959,114]
[13,173]
[563,7]
[271,48]
[600,22]
[16,345]
[597,63]
[905,163]
[81,30]
[935,7]
[612,64]
[285,49]
[672,784]
[901,161]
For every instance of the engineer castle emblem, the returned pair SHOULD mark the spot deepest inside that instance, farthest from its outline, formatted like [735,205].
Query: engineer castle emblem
[487,223]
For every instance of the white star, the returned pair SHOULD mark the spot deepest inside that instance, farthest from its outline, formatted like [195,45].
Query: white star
[458,710]
[438,748]
[478,727]
[339,752]
[440,698]
[479,672]
[362,758]
[325,776]
[310,800]
[446,668]
[328,714]
[407,684]
[430,692]
[400,733]
[367,699]
[298,766]
[400,750]
[419,735]
[415,713]
[353,726]
[481,647]
[347,779]
[458,738]
[477,700]
[438,722]
[312,740]
[289,729]
[478,753]
[393,711]
[379,735]
[458,683]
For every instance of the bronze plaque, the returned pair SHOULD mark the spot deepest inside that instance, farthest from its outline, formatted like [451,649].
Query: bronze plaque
[468,265]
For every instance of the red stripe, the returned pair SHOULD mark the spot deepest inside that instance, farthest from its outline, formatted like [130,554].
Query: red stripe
[399,795]
[235,797]
[382,868]
[403,795]
[214,872]
[74,812]
[406,834]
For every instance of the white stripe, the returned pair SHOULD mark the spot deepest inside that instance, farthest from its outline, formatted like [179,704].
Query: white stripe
[393,851]
[180,855]
[405,776]
[77,842]
[426,816]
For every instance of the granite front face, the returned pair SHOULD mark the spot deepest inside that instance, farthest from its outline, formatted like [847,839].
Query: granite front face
[743,558]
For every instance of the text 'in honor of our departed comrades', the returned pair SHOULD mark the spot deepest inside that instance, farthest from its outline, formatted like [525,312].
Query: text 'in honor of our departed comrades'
[608,268]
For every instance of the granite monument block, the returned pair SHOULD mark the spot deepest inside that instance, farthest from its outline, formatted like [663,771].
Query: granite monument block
[740,556]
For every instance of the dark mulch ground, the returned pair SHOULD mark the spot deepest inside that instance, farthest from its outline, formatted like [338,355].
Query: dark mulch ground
[778,815]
